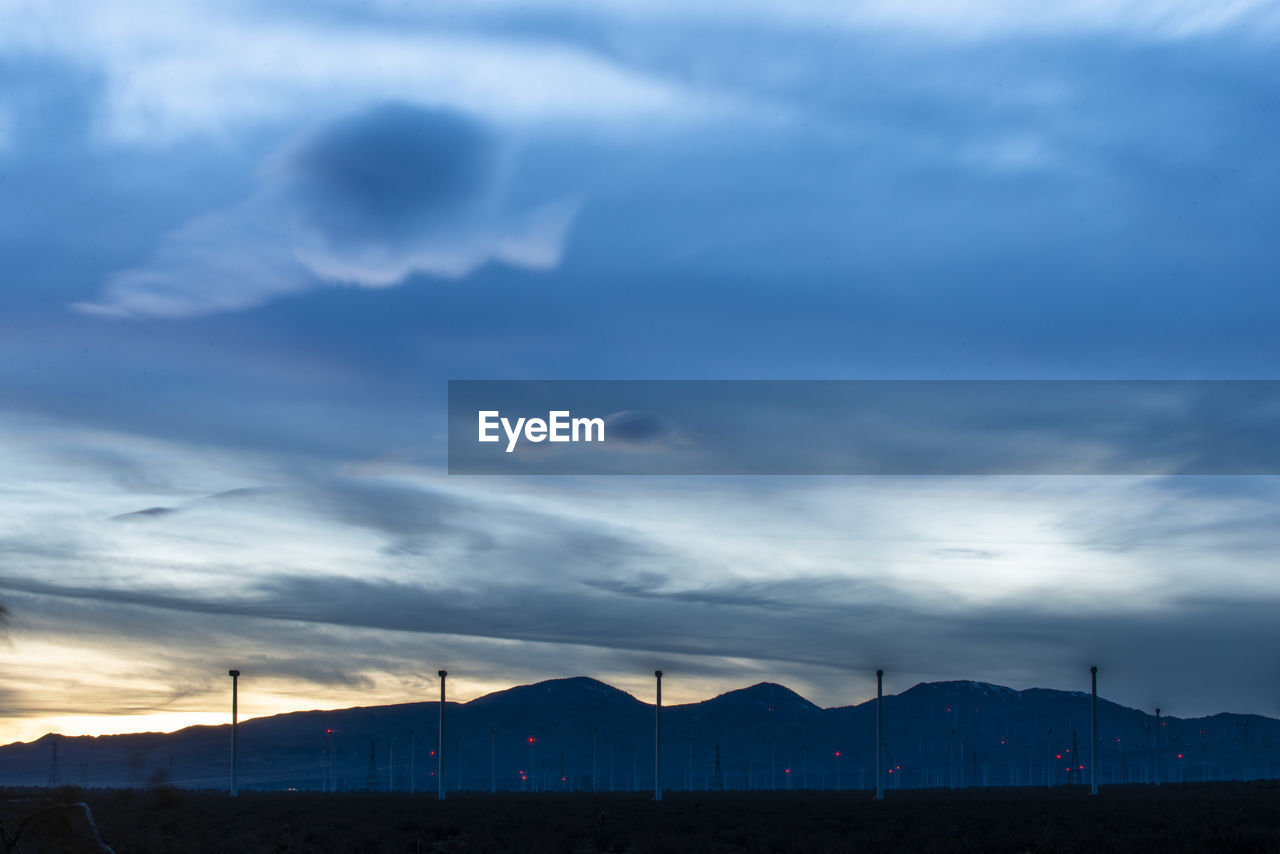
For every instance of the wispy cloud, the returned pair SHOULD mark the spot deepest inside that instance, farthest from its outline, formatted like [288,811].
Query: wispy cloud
[216,68]
[369,200]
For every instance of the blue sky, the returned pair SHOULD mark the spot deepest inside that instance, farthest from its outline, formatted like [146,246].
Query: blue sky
[246,245]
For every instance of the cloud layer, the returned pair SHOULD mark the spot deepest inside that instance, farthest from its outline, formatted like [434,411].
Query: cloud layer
[791,190]
[339,585]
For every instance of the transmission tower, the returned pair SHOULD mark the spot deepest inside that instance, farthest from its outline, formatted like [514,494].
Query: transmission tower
[55,775]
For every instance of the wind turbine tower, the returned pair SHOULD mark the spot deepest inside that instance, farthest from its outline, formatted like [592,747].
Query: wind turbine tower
[879,737]
[440,751]
[657,740]
[235,711]
[1093,739]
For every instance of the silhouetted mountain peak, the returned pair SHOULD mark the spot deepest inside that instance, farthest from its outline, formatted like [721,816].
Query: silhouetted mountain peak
[576,690]
[964,690]
[767,697]
[1056,693]
[562,688]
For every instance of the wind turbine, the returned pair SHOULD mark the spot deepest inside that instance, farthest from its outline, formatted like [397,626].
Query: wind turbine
[440,743]
[657,740]
[235,701]
[1093,740]
[879,739]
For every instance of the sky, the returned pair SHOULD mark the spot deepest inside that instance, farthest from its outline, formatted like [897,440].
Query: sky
[246,245]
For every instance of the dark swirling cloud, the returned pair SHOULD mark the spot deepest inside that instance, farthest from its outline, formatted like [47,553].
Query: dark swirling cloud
[384,175]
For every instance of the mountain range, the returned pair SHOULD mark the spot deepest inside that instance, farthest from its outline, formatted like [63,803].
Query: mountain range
[578,733]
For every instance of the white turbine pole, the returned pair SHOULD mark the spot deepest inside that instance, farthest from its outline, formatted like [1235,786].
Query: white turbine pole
[1093,744]
[235,710]
[657,740]
[440,742]
[879,740]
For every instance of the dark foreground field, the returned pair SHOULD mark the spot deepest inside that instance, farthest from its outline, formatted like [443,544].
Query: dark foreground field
[1190,818]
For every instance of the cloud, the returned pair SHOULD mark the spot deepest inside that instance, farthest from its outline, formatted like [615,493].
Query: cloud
[147,513]
[369,200]
[159,512]
[386,173]
[215,68]
[1002,18]
[822,628]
